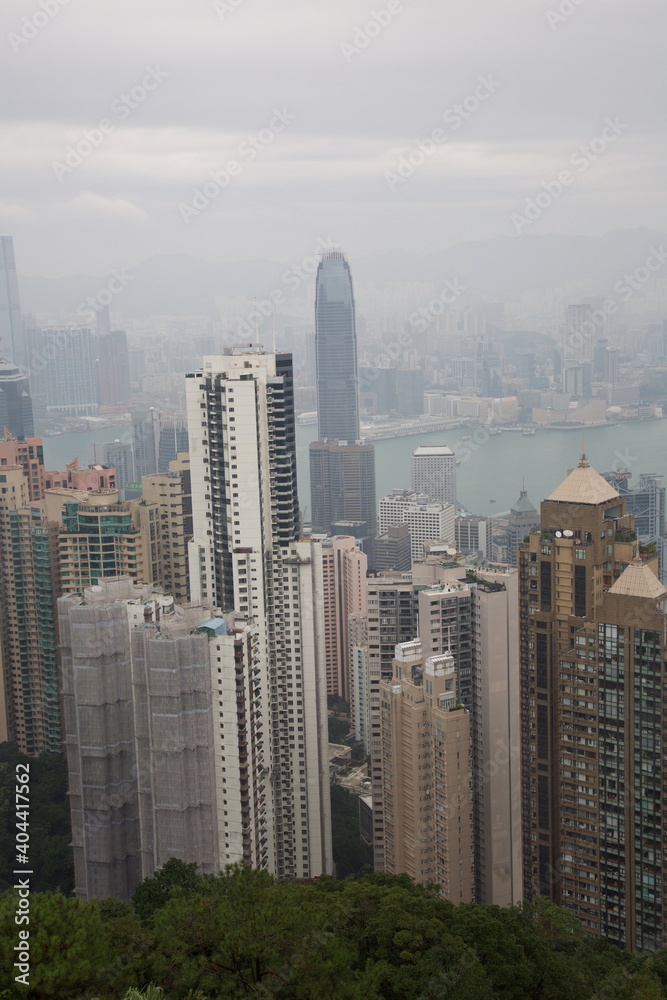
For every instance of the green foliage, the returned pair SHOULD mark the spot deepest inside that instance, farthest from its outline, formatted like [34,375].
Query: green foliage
[69,949]
[243,934]
[175,880]
[50,855]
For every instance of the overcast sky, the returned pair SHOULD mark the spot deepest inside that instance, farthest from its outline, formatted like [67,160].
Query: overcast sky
[185,87]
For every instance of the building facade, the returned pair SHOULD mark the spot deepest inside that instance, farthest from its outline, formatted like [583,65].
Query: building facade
[427,521]
[11,326]
[426,788]
[434,473]
[246,555]
[336,350]
[344,568]
[166,744]
[15,402]
[585,541]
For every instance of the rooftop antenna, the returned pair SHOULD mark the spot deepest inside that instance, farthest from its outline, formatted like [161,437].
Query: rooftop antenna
[254,302]
[273,325]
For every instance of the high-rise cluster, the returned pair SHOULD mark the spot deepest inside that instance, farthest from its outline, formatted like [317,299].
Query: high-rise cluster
[593,653]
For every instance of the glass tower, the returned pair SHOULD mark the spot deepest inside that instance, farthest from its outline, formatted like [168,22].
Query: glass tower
[336,350]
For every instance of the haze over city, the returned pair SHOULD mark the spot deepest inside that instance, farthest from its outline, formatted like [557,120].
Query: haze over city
[333,497]
[358,89]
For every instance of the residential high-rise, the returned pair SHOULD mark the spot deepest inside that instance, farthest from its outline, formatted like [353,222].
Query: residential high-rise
[165,518]
[594,649]
[426,791]
[12,340]
[29,586]
[336,350]
[344,573]
[434,472]
[611,764]
[246,556]
[473,615]
[15,402]
[29,454]
[166,744]
[585,541]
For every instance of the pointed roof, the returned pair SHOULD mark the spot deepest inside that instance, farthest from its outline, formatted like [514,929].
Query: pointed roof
[523,505]
[584,485]
[639,580]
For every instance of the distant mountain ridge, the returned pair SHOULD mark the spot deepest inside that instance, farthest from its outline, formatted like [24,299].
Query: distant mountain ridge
[502,268]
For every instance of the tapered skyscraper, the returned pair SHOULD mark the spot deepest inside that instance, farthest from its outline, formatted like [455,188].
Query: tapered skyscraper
[11,328]
[342,467]
[336,350]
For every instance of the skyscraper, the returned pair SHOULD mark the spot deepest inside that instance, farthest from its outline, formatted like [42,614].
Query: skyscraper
[336,350]
[70,372]
[15,402]
[11,328]
[246,556]
[584,542]
[593,652]
[427,794]
[29,586]
[342,467]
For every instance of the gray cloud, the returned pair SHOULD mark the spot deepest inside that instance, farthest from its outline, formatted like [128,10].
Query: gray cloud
[354,119]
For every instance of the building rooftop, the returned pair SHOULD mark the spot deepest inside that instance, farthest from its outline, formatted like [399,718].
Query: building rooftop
[584,485]
[432,449]
[639,580]
[523,505]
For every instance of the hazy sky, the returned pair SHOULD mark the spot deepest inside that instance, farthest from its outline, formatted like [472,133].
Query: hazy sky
[304,108]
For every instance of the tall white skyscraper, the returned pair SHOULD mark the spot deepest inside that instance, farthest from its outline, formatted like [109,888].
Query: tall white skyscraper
[246,555]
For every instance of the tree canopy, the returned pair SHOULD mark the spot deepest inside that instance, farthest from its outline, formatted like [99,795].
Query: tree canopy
[243,934]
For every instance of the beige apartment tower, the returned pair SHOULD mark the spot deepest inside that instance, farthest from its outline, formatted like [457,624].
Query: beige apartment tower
[427,791]
[344,568]
[593,666]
